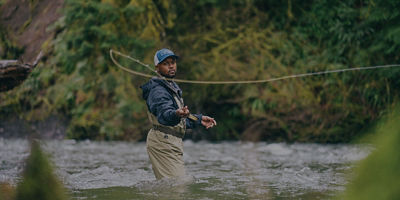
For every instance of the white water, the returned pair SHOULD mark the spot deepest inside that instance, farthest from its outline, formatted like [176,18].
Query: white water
[229,170]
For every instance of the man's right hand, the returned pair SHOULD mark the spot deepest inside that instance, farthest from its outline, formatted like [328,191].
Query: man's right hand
[182,112]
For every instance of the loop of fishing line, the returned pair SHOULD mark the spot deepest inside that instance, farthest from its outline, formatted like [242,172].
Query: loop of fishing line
[234,82]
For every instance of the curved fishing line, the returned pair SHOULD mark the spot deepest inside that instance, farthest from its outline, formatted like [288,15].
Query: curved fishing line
[235,82]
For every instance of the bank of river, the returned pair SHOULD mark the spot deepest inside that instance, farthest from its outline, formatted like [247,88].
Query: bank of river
[229,170]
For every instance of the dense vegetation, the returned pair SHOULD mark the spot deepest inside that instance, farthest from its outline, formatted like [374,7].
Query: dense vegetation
[220,40]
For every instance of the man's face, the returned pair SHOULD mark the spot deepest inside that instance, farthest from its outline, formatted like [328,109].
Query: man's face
[167,67]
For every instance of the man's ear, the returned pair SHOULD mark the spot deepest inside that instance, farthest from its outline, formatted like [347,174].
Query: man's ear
[157,68]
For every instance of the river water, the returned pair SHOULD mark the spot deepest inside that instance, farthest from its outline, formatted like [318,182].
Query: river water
[228,170]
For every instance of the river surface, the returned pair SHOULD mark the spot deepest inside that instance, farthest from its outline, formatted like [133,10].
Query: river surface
[228,170]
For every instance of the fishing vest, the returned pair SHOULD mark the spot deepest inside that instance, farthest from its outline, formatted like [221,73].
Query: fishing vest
[177,130]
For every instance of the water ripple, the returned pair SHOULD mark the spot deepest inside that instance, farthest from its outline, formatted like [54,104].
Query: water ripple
[234,169]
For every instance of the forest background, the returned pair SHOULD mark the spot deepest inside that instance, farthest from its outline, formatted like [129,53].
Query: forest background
[216,40]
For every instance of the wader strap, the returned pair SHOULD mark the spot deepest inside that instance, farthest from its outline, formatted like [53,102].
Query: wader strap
[177,130]
[168,131]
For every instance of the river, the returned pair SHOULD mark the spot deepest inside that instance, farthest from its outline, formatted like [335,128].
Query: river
[227,170]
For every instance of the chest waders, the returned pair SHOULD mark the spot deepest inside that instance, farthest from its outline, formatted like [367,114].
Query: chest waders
[165,146]
[177,130]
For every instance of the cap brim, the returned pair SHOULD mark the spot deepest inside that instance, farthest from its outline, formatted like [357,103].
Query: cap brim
[167,56]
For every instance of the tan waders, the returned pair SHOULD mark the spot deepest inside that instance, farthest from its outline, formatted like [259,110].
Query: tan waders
[166,154]
[165,147]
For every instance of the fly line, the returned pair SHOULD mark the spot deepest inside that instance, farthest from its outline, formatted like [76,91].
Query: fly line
[112,52]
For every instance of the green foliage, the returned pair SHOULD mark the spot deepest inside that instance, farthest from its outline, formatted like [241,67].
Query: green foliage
[38,181]
[297,38]
[95,93]
[378,175]
[221,40]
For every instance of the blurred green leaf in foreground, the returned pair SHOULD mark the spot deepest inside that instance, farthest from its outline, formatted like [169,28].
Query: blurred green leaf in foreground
[378,175]
[39,181]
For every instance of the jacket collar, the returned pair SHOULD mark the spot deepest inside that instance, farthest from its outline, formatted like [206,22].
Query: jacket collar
[171,85]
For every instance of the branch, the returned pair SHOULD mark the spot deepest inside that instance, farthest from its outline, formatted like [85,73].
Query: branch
[13,72]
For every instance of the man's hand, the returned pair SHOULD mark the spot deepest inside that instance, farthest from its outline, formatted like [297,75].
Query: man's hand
[208,122]
[182,112]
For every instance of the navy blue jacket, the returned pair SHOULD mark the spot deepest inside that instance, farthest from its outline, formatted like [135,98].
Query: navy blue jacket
[160,102]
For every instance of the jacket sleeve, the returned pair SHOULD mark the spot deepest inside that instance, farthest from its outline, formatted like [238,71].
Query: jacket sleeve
[191,124]
[161,104]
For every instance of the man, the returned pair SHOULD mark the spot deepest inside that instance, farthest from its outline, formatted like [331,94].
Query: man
[170,118]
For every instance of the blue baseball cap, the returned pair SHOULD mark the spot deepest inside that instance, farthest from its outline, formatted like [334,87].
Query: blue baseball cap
[163,54]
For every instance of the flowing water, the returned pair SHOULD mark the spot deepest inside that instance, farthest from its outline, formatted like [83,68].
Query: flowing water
[228,170]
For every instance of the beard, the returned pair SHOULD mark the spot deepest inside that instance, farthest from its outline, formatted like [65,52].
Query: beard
[169,74]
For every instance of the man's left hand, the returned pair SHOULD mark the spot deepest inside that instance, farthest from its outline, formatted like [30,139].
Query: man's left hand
[208,122]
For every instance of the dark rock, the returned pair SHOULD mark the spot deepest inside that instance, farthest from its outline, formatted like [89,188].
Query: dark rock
[54,127]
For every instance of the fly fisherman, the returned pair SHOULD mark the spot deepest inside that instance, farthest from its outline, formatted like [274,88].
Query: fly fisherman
[170,118]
